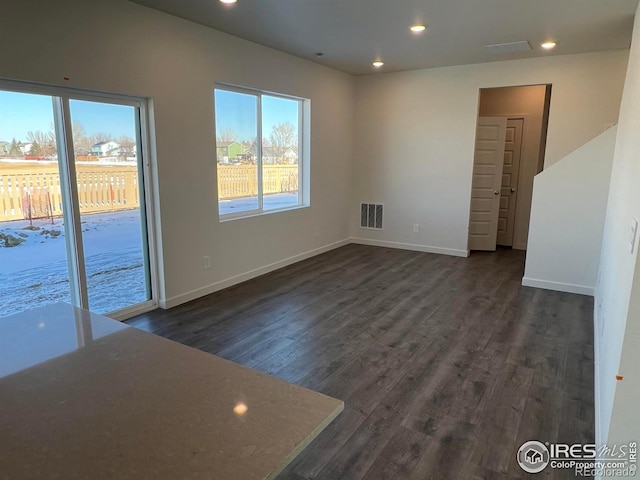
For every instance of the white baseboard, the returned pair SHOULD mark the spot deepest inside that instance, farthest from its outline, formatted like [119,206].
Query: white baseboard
[558,286]
[243,277]
[409,246]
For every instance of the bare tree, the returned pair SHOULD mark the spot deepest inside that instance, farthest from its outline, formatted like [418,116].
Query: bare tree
[100,137]
[42,143]
[126,142]
[227,135]
[39,136]
[127,146]
[80,139]
[283,137]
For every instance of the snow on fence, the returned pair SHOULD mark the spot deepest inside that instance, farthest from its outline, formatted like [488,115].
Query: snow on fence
[236,181]
[101,188]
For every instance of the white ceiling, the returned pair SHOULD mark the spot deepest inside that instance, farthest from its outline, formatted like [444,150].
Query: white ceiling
[352,33]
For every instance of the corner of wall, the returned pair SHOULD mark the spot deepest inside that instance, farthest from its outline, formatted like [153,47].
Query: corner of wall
[600,438]
[567,219]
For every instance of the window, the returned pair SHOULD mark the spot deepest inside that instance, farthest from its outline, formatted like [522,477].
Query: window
[259,151]
[73,211]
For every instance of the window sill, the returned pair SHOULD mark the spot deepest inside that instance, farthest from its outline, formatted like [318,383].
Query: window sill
[253,213]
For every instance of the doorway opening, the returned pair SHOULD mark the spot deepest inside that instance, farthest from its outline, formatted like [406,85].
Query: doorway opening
[510,145]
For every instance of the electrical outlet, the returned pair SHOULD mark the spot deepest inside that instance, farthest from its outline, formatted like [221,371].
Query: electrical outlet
[416,228]
[634,234]
[206,262]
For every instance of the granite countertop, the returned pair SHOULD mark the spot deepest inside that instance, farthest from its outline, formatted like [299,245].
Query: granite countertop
[85,397]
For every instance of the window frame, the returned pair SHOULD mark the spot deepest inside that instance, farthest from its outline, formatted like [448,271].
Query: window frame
[303,151]
[61,96]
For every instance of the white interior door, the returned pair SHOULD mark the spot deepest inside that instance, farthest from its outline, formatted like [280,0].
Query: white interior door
[487,179]
[510,172]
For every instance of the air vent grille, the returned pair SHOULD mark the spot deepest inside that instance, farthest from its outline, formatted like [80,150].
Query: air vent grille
[509,47]
[371,215]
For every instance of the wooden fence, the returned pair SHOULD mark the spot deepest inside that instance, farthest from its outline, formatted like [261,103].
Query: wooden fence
[101,188]
[236,181]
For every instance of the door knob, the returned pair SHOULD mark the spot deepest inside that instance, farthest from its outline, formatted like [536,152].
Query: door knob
[496,192]
[513,190]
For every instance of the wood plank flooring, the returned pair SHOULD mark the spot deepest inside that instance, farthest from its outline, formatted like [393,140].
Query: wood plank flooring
[446,365]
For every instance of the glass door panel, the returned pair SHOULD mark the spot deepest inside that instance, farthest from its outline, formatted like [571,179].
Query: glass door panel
[106,151]
[33,253]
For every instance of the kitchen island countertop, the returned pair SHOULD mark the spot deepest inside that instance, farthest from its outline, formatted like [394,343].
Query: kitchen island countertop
[85,397]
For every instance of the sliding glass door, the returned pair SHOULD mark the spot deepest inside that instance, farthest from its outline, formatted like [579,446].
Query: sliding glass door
[111,201]
[73,220]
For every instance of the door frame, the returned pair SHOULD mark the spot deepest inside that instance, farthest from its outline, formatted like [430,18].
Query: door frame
[146,184]
[542,140]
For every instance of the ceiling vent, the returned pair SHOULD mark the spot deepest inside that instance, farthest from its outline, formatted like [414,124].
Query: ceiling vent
[509,47]
[371,215]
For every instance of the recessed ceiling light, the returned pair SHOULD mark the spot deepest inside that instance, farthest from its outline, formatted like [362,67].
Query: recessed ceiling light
[548,45]
[417,28]
[378,64]
[228,1]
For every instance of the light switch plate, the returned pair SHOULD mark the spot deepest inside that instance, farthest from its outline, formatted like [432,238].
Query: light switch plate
[634,234]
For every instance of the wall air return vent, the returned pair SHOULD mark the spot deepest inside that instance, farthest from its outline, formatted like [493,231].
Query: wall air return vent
[509,47]
[371,215]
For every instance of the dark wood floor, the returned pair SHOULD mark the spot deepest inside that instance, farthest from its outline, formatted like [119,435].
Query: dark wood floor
[446,365]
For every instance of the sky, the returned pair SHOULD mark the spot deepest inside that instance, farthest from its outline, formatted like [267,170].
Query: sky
[22,112]
[237,112]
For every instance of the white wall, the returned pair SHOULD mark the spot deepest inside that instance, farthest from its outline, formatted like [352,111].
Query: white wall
[117,46]
[617,320]
[625,421]
[567,219]
[414,137]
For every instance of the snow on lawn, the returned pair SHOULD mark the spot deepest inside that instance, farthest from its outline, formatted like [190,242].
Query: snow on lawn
[34,272]
[270,202]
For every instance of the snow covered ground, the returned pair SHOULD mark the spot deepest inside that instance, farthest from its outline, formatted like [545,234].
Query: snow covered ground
[35,272]
[271,202]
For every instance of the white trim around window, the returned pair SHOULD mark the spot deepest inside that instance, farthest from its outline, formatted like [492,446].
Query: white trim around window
[262,151]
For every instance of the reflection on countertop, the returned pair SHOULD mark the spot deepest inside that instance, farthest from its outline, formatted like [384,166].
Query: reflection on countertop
[84,396]
[33,337]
